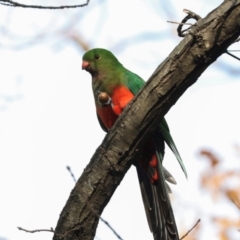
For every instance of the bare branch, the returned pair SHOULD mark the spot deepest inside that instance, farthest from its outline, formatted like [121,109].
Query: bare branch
[71,173]
[179,23]
[116,234]
[198,221]
[16,4]
[232,55]
[36,230]
[105,222]
[47,230]
[190,15]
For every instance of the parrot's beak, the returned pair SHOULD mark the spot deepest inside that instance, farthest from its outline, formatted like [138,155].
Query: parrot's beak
[85,65]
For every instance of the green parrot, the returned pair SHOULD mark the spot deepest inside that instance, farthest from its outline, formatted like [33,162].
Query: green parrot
[114,87]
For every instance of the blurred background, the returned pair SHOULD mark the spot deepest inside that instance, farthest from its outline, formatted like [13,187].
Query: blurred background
[48,120]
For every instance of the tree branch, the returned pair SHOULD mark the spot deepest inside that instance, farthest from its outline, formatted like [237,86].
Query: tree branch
[11,3]
[207,40]
[198,221]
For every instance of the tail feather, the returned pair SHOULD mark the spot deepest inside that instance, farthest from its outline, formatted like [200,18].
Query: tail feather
[168,224]
[155,190]
[156,201]
[168,188]
[168,176]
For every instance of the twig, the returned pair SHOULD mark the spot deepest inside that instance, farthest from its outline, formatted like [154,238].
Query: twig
[182,31]
[198,221]
[190,15]
[104,221]
[16,4]
[48,230]
[70,171]
[180,23]
[36,230]
[227,52]
[51,229]
[116,234]
[93,211]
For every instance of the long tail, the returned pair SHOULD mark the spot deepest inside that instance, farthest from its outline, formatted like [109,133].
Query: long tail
[155,196]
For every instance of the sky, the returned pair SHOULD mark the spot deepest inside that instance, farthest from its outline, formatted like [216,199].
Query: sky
[48,120]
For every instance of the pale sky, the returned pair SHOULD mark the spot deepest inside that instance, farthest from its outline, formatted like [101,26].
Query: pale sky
[48,120]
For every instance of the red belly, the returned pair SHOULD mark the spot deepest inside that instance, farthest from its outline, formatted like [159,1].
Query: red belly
[121,96]
[107,116]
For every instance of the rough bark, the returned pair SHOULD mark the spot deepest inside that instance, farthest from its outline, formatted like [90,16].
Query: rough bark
[208,40]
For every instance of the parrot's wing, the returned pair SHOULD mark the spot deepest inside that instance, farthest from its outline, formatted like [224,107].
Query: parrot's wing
[101,124]
[135,83]
[168,139]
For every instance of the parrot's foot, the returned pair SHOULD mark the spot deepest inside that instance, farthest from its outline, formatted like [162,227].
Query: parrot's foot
[104,99]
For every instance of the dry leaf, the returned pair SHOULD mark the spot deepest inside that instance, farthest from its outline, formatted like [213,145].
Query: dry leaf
[214,181]
[223,235]
[225,223]
[234,196]
[211,157]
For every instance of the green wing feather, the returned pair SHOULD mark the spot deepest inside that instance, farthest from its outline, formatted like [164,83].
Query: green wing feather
[168,139]
[135,83]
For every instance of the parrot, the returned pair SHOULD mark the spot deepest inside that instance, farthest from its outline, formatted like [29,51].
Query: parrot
[113,88]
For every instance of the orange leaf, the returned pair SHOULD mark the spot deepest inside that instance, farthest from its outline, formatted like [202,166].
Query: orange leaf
[225,223]
[211,157]
[223,236]
[234,196]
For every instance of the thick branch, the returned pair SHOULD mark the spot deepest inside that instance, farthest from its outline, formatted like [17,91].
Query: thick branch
[202,46]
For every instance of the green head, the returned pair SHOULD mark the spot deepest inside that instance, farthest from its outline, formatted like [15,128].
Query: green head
[99,60]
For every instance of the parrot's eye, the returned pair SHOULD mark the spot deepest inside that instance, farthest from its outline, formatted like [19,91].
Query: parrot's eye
[97,56]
